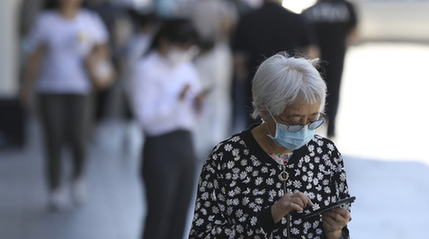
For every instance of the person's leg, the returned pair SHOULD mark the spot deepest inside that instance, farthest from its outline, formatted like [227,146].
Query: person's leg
[78,121]
[50,107]
[185,163]
[51,112]
[128,117]
[334,72]
[158,176]
[241,92]
[100,104]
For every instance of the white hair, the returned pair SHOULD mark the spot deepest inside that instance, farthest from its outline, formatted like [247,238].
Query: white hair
[280,80]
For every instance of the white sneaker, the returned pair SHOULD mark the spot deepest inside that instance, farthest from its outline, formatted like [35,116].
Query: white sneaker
[79,191]
[58,200]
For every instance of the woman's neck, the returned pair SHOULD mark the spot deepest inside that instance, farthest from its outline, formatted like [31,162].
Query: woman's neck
[69,12]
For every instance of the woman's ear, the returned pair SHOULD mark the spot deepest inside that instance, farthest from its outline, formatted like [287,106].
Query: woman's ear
[265,115]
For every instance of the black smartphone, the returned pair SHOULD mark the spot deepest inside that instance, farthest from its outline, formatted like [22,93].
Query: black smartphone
[345,203]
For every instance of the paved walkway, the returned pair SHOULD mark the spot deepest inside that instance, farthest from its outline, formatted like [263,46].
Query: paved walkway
[114,208]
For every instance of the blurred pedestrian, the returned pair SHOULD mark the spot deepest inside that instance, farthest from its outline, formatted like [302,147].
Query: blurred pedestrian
[145,24]
[166,96]
[261,34]
[65,38]
[214,20]
[335,23]
[144,28]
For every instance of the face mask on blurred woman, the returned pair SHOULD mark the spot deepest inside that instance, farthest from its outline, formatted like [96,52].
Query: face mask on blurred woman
[178,56]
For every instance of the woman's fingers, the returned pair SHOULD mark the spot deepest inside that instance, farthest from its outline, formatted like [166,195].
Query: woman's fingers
[288,203]
[301,199]
[335,219]
[338,214]
[297,201]
[305,200]
[184,91]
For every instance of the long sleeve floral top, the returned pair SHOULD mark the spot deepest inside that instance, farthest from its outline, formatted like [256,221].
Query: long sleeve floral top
[240,182]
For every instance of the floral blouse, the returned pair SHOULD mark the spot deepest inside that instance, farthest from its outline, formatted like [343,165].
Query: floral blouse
[240,182]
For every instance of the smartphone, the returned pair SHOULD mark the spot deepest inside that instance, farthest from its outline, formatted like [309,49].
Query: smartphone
[344,203]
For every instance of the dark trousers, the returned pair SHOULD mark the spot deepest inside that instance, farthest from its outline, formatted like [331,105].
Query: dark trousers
[243,104]
[65,118]
[101,100]
[168,172]
[333,75]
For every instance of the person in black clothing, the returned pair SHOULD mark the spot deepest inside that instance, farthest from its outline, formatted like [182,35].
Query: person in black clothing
[261,34]
[335,22]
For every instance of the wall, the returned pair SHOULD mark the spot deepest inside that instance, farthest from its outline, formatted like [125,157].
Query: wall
[9,48]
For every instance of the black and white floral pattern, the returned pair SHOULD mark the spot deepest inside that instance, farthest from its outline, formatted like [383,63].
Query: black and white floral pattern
[240,182]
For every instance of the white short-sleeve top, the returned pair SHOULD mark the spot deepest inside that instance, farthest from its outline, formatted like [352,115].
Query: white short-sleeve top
[67,43]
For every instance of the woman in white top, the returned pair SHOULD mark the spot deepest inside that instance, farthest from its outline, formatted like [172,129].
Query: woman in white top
[66,39]
[165,97]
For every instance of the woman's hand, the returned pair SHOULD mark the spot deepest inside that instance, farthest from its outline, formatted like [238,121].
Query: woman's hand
[184,92]
[99,67]
[198,100]
[30,72]
[288,203]
[333,222]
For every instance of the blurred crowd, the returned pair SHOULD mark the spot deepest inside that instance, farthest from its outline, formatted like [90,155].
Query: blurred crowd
[183,70]
[130,27]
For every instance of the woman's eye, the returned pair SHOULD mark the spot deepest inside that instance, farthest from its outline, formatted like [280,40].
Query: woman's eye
[313,119]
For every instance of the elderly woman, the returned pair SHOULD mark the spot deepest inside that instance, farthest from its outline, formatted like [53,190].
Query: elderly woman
[259,182]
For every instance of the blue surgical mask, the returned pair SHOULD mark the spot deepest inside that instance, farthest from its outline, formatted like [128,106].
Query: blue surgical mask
[291,140]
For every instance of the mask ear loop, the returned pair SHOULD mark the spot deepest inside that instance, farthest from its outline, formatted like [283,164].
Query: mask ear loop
[271,115]
[269,135]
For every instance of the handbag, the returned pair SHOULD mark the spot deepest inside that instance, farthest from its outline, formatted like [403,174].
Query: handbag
[100,69]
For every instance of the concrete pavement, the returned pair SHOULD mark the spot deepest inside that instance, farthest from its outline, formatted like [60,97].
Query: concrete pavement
[114,208]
